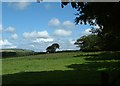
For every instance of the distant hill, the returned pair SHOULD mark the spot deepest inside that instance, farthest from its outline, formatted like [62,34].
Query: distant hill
[15,52]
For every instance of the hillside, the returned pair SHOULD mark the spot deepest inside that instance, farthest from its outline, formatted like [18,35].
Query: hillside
[67,68]
[15,52]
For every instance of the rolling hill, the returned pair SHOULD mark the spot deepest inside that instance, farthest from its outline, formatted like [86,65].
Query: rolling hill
[15,52]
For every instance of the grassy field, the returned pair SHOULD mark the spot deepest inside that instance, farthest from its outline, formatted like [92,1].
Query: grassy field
[63,68]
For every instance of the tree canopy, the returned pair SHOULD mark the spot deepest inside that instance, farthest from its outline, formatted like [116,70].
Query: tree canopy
[88,43]
[52,48]
[56,45]
[103,14]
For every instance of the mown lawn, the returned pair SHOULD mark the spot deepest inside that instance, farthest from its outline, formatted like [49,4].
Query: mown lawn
[62,68]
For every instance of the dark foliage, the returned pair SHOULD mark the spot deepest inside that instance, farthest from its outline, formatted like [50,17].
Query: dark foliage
[104,14]
[52,48]
[8,54]
[89,43]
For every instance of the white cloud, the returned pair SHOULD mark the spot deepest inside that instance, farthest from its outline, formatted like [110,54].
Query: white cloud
[54,22]
[86,32]
[10,46]
[19,5]
[68,24]
[35,34]
[14,36]
[67,44]
[6,44]
[10,29]
[43,40]
[32,46]
[22,5]
[36,41]
[72,41]
[62,32]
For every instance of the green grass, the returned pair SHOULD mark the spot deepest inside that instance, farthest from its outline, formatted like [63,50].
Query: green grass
[62,68]
[45,62]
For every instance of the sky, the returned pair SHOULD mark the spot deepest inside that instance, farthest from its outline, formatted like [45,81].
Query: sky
[35,26]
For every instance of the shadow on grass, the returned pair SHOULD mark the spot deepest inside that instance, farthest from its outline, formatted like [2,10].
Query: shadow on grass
[109,55]
[109,71]
[96,66]
[57,77]
[82,74]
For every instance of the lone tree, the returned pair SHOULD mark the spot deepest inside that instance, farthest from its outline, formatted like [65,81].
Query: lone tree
[104,14]
[52,48]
